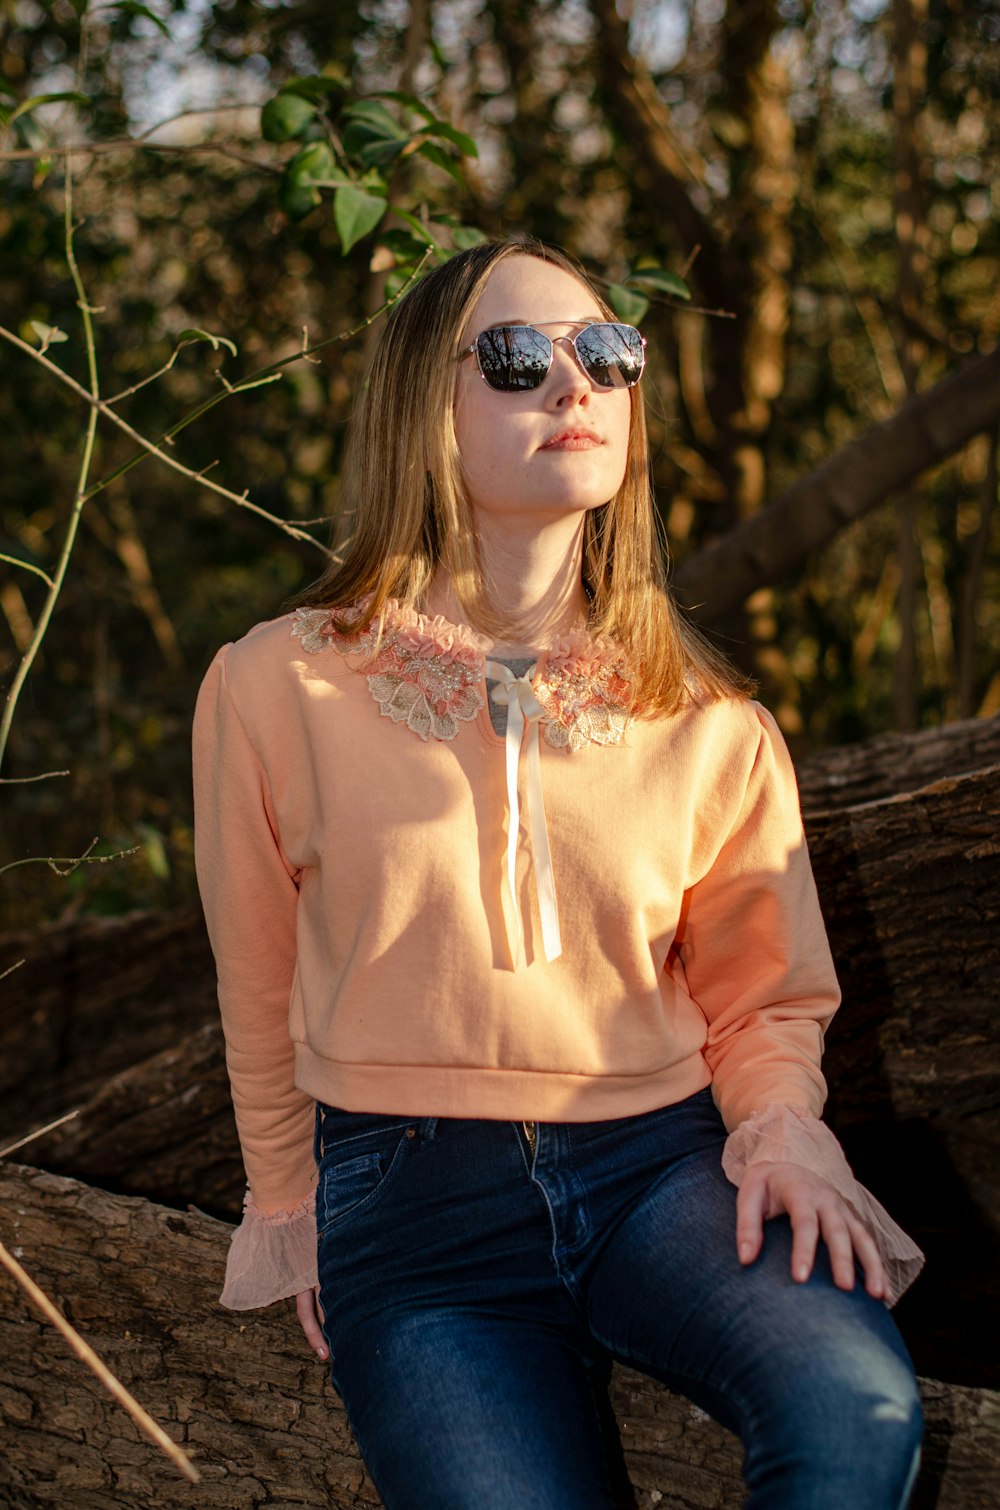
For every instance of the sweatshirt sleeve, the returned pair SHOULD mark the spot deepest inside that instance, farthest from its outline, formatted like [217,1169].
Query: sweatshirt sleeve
[249,892]
[753,944]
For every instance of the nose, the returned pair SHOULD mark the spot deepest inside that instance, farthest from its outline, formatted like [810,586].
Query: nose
[567,382]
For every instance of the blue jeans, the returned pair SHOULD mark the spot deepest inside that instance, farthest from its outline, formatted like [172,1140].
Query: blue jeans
[472,1289]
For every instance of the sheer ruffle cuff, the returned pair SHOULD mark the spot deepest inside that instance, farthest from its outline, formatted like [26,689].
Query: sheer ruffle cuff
[272,1255]
[787,1134]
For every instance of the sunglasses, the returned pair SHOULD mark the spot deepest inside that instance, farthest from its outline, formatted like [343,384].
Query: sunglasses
[513,358]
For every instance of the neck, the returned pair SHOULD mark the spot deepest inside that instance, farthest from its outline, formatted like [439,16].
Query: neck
[533,581]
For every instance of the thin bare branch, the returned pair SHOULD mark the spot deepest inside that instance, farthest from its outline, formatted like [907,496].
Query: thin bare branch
[23,780]
[16,561]
[39,1132]
[86,1354]
[64,865]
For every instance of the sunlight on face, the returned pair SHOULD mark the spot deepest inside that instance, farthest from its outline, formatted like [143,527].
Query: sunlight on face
[541,453]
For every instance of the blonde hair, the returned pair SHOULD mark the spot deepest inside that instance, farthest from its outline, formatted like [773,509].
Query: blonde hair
[406,510]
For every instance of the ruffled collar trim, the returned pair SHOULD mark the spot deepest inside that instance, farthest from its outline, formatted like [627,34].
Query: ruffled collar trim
[429,673]
[425,635]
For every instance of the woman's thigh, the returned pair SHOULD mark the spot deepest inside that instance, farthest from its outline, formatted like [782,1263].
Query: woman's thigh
[816,1380]
[465,1368]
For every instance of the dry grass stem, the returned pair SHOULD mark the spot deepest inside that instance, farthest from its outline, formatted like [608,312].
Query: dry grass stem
[39,1132]
[86,1353]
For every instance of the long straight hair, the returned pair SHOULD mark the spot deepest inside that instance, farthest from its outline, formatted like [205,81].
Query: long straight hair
[406,511]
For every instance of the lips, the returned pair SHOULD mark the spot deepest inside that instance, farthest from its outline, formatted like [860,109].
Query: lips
[572,440]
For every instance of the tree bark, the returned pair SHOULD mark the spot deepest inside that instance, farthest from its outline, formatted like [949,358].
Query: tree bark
[770,547]
[244,1396]
[91,999]
[892,764]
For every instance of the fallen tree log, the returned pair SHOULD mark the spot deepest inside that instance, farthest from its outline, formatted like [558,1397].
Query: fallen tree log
[910,889]
[163,1128]
[245,1398]
[892,764]
[92,998]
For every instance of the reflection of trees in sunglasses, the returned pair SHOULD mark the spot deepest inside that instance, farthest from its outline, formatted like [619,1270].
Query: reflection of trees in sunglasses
[517,357]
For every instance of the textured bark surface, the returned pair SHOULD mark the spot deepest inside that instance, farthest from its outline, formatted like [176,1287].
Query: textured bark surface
[92,998]
[896,763]
[910,889]
[256,1412]
[163,1128]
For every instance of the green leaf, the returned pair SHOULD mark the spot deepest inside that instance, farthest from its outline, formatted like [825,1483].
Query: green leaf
[297,200]
[370,113]
[286,117]
[420,230]
[154,850]
[410,101]
[47,99]
[133,8]
[628,306]
[464,143]
[316,167]
[464,236]
[189,337]
[440,159]
[661,280]
[318,87]
[402,244]
[355,213]
[48,335]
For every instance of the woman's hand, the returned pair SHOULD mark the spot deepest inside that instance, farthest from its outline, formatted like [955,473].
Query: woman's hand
[815,1210]
[310,1314]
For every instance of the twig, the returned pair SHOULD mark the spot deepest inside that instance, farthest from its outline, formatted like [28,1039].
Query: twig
[71,862]
[23,780]
[11,968]
[27,660]
[102,406]
[16,561]
[39,1131]
[86,1354]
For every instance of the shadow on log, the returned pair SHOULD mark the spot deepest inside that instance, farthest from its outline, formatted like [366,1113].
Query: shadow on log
[257,1412]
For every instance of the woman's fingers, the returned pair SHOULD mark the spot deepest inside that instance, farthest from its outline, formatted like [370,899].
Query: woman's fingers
[815,1210]
[751,1199]
[307,1309]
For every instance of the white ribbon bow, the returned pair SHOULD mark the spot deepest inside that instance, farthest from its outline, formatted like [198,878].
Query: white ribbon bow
[517,695]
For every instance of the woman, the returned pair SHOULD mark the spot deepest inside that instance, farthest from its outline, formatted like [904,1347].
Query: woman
[518,945]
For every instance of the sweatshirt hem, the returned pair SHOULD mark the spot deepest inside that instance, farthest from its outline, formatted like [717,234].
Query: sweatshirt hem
[429,1090]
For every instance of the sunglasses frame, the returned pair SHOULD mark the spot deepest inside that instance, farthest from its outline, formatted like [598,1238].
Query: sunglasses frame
[539,330]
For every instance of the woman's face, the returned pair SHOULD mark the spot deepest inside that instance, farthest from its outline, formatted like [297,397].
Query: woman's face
[543,453]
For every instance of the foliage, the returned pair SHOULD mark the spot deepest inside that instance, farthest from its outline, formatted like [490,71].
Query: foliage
[341,149]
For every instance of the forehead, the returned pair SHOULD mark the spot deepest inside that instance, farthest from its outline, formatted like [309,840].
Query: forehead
[528,291]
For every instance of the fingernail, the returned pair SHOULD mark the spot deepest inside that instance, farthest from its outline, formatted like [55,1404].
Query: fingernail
[321,1353]
[745,1251]
[802,1272]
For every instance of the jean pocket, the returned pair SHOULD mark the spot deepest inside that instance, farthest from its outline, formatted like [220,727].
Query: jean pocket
[351,1180]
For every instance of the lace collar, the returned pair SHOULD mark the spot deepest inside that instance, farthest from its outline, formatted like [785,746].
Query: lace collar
[429,674]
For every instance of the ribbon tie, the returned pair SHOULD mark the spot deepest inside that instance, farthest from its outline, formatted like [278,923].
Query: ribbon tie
[516,694]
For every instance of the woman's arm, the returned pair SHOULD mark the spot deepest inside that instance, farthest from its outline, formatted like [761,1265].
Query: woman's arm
[249,891]
[757,960]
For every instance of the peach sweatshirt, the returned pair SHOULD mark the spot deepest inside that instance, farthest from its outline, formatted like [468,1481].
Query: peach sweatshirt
[355,850]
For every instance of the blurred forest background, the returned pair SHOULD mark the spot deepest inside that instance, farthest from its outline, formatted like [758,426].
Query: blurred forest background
[821,173]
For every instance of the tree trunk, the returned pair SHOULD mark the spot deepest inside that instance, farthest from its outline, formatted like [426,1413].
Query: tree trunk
[245,1397]
[773,545]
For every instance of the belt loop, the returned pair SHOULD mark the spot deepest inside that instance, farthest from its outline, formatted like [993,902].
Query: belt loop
[318,1136]
[428,1129]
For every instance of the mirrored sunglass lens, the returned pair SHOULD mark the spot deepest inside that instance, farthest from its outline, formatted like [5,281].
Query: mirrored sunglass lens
[513,357]
[612,354]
